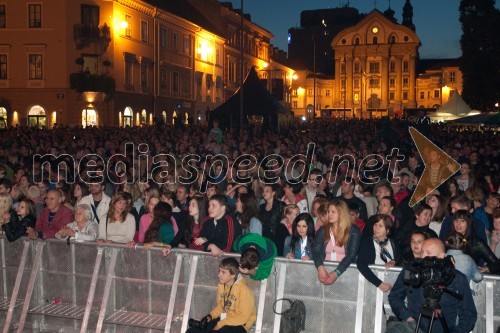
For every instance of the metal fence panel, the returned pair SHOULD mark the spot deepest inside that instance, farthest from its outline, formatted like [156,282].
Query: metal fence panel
[82,287]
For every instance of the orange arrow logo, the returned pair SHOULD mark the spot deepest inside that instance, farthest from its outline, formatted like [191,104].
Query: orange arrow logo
[439,166]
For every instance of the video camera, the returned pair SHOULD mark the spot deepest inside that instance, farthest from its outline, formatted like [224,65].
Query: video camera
[429,271]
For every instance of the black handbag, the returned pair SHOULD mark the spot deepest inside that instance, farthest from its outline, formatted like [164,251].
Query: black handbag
[293,319]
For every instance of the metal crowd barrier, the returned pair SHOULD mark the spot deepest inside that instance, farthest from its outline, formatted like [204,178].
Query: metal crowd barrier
[48,286]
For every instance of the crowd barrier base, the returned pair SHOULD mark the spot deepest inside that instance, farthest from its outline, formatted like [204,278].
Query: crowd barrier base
[50,286]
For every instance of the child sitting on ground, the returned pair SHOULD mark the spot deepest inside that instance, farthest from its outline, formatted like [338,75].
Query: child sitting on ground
[235,310]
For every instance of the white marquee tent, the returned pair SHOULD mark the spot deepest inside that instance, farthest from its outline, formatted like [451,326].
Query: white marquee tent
[454,108]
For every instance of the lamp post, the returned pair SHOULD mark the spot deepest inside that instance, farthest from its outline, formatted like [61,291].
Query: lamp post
[345,83]
[241,65]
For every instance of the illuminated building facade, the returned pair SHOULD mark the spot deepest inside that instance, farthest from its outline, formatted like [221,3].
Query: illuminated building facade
[121,62]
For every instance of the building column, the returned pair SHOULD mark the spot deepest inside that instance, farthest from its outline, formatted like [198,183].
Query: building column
[412,94]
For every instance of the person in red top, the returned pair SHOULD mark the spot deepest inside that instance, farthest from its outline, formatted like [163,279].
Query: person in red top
[52,218]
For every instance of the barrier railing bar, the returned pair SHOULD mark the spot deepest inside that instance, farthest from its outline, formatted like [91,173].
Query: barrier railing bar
[173,293]
[73,273]
[31,284]
[17,285]
[260,308]
[93,285]
[189,293]
[379,303]
[358,327]
[279,294]
[109,279]
[489,306]
[150,289]
[4,268]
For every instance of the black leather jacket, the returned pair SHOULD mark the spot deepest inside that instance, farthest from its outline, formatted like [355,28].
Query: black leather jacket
[16,228]
[479,250]
[351,249]
[271,219]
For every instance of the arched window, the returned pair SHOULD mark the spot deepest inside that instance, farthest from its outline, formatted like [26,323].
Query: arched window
[375,40]
[89,117]
[144,117]
[128,117]
[356,41]
[392,40]
[186,119]
[3,117]
[164,116]
[36,116]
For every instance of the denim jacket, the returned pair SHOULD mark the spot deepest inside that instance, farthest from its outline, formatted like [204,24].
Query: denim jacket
[465,264]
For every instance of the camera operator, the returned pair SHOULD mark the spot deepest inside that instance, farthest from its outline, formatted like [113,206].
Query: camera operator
[459,314]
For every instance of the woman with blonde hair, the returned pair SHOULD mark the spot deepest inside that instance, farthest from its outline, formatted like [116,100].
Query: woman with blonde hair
[338,240]
[7,213]
[118,225]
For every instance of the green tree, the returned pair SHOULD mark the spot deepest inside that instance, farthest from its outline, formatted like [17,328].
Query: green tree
[480,62]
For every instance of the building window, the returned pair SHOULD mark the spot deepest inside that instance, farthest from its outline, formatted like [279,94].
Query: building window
[327,93]
[35,16]
[295,104]
[392,40]
[374,67]
[436,93]
[375,41]
[3,17]
[294,92]
[175,83]
[406,81]
[90,16]
[356,67]
[187,45]
[392,66]
[163,78]
[128,29]
[391,96]
[356,97]
[144,31]
[392,83]
[356,83]
[217,57]
[144,77]
[422,95]
[163,37]
[452,76]
[405,95]
[3,67]
[128,72]
[175,41]
[185,88]
[342,84]
[374,83]
[405,66]
[356,41]
[309,92]
[342,96]
[35,67]
[342,67]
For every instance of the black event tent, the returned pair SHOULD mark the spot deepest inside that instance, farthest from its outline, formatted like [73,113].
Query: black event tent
[257,100]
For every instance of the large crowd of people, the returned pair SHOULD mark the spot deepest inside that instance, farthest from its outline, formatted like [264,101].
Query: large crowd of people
[336,190]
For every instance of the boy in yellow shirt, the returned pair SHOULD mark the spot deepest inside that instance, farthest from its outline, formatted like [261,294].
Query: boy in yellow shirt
[235,310]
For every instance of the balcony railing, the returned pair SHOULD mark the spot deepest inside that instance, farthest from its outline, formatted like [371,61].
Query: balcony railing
[85,35]
[84,81]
